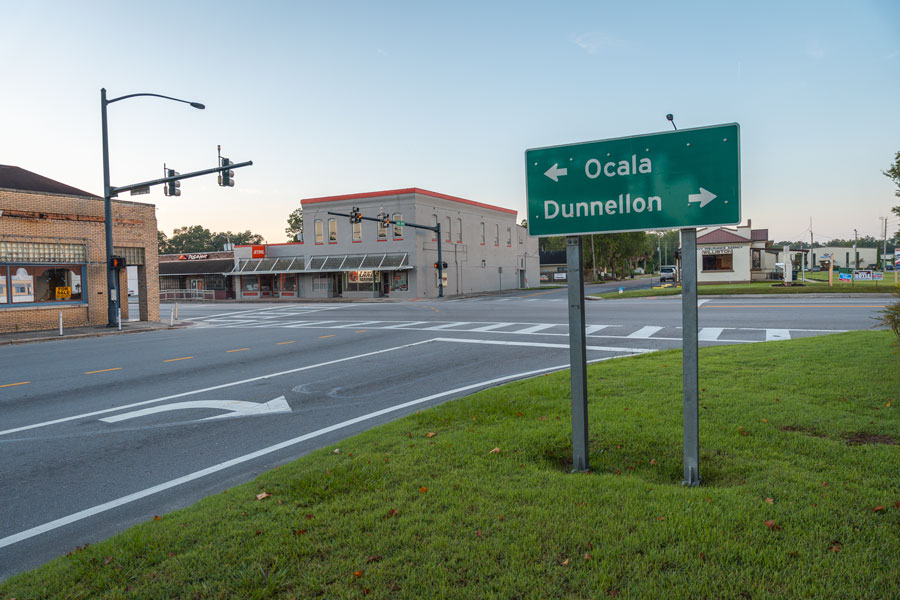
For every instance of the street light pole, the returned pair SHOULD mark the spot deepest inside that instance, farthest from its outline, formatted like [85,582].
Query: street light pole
[112,287]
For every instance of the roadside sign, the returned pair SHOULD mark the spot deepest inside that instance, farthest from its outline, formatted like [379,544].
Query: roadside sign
[671,180]
[140,191]
[399,223]
[867,275]
[897,258]
[63,292]
[845,275]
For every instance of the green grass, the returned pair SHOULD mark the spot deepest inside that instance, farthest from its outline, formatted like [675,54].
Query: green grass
[764,287]
[789,506]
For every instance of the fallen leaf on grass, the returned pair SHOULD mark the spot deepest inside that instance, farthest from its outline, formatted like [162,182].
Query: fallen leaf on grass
[263,496]
[299,531]
[391,513]
[587,556]
[660,518]
[495,451]
[156,517]
[835,546]
[357,574]
[337,451]
[878,508]
[478,533]
[824,484]
[565,562]
[652,461]
[430,434]
[772,525]
[500,517]
[518,414]
[770,500]
[107,560]
[423,489]
[742,432]
[542,418]
[373,558]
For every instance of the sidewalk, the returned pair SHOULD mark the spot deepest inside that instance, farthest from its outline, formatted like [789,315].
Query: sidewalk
[23,337]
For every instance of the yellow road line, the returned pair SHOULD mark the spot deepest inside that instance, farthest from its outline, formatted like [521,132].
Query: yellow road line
[361,331]
[12,384]
[182,358]
[290,342]
[103,370]
[237,350]
[322,337]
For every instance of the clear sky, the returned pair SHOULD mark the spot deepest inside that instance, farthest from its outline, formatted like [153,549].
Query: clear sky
[341,97]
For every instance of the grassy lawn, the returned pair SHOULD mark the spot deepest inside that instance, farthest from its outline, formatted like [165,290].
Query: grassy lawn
[766,287]
[474,499]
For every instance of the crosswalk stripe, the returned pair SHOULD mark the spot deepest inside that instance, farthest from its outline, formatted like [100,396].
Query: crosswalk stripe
[644,332]
[447,325]
[298,324]
[710,334]
[777,334]
[360,324]
[491,326]
[402,325]
[535,328]
[589,329]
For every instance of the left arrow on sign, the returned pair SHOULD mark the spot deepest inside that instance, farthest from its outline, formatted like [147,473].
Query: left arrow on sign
[704,197]
[555,172]
[236,408]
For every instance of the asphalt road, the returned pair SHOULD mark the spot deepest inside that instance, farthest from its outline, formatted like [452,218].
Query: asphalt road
[101,433]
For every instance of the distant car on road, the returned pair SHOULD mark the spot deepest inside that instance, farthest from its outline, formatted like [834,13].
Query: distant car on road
[667,274]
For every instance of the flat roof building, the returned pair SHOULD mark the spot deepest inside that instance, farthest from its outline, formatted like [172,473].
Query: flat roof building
[53,254]
[483,247]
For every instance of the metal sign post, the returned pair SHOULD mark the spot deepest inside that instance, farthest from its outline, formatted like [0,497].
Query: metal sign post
[577,353]
[690,411]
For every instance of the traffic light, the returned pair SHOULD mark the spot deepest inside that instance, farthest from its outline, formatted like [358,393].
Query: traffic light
[171,188]
[355,215]
[116,262]
[440,265]
[226,177]
[385,220]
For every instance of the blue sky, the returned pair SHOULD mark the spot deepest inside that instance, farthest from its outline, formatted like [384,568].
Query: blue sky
[343,97]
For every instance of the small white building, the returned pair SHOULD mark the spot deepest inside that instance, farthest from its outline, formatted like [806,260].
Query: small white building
[734,255]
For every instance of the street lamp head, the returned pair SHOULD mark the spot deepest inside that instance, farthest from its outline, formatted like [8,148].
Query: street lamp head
[198,105]
[670,117]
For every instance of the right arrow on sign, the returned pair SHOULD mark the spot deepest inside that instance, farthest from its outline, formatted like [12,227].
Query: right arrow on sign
[704,197]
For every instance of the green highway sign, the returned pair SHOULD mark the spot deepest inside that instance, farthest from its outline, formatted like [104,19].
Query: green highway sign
[671,180]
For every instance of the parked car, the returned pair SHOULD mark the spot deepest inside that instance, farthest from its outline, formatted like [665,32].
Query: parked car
[667,274]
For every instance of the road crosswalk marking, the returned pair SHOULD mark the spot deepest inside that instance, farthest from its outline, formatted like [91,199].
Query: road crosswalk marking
[645,332]
[777,334]
[710,334]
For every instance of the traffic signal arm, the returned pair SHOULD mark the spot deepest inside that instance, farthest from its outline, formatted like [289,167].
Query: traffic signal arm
[127,188]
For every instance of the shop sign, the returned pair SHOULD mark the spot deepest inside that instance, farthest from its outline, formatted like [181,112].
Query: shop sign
[63,293]
[845,275]
[559,276]
[257,251]
[867,275]
[361,276]
[193,257]
[719,249]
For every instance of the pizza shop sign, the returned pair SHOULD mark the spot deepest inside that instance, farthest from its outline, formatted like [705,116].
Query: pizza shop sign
[193,257]
[361,276]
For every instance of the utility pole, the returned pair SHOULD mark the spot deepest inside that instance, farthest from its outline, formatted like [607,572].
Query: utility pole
[884,241]
[855,253]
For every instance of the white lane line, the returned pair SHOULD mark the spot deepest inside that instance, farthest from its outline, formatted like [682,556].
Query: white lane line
[534,328]
[94,510]
[644,332]
[301,324]
[208,389]
[702,302]
[447,325]
[491,326]
[589,329]
[360,324]
[404,324]
[777,334]
[710,334]
[618,349]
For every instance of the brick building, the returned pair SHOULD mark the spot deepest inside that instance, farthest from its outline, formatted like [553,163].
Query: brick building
[53,254]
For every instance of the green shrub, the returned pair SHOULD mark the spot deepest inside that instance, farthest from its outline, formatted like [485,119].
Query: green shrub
[891,316]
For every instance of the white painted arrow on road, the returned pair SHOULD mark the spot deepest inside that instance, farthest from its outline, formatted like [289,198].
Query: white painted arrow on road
[704,197]
[236,408]
[555,172]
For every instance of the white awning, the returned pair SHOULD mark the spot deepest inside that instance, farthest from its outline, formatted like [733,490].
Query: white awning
[396,261]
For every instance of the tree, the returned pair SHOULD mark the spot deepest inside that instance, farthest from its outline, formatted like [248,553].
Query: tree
[893,173]
[221,238]
[295,224]
[162,242]
[193,238]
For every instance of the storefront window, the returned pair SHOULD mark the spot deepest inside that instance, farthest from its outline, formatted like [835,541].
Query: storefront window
[496,235]
[250,283]
[459,231]
[718,262]
[448,235]
[509,236]
[357,232]
[398,229]
[482,234]
[332,231]
[360,281]
[399,281]
[33,284]
[289,283]
[382,231]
